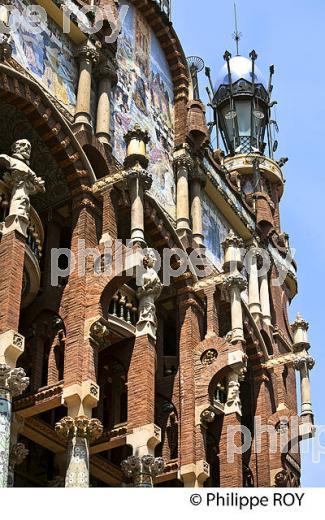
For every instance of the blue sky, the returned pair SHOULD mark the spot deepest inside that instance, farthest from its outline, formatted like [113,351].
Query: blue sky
[290,34]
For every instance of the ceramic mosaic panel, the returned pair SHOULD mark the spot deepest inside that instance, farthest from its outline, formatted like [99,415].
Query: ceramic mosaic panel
[144,95]
[47,55]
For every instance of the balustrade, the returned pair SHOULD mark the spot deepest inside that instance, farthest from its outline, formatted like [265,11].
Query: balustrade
[124,305]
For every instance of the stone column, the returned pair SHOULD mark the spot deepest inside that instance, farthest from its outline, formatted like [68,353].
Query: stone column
[183,167]
[303,365]
[88,56]
[235,283]
[143,470]
[198,180]
[79,432]
[138,178]
[13,382]
[107,77]
[265,299]
[253,287]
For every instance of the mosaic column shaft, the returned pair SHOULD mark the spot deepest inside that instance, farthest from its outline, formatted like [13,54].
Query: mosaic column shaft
[13,382]
[79,432]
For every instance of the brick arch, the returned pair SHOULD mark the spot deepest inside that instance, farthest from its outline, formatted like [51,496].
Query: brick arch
[29,98]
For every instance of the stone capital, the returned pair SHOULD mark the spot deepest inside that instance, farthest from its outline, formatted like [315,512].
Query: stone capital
[107,69]
[13,380]
[143,470]
[88,52]
[183,161]
[81,398]
[235,281]
[141,174]
[232,240]
[12,346]
[82,427]
[18,454]
[304,362]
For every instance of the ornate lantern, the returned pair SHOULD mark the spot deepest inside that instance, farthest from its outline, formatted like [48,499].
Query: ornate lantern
[242,104]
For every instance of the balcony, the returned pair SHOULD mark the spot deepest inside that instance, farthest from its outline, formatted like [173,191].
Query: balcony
[34,246]
[123,313]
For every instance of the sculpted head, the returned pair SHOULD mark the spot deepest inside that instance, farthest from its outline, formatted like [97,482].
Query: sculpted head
[150,259]
[21,149]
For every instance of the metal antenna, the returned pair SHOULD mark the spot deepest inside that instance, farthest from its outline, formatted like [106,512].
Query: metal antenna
[236,35]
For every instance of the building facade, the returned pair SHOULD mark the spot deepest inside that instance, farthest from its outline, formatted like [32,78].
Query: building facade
[145,277]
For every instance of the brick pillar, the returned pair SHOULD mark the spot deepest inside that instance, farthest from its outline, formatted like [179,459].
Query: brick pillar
[141,383]
[109,216]
[81,392]
[193,468]
[231,472]
[262,413]
[212,314]
[12,255]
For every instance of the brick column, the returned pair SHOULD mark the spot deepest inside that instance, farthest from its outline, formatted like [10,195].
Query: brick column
[231,472]
[261,451]
[212,313]
[193,469]
[141,383]
[109,226]
[12,254]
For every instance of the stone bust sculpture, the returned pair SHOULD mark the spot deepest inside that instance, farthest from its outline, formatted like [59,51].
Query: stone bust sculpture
[20,177]
[149,290]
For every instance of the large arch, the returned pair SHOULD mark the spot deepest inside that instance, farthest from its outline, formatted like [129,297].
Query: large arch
[28,97]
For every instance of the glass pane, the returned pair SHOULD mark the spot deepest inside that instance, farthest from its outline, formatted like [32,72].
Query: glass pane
[243,109]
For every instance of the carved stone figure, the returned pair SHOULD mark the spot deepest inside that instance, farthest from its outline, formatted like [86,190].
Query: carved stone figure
[23,181]
[149,291]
